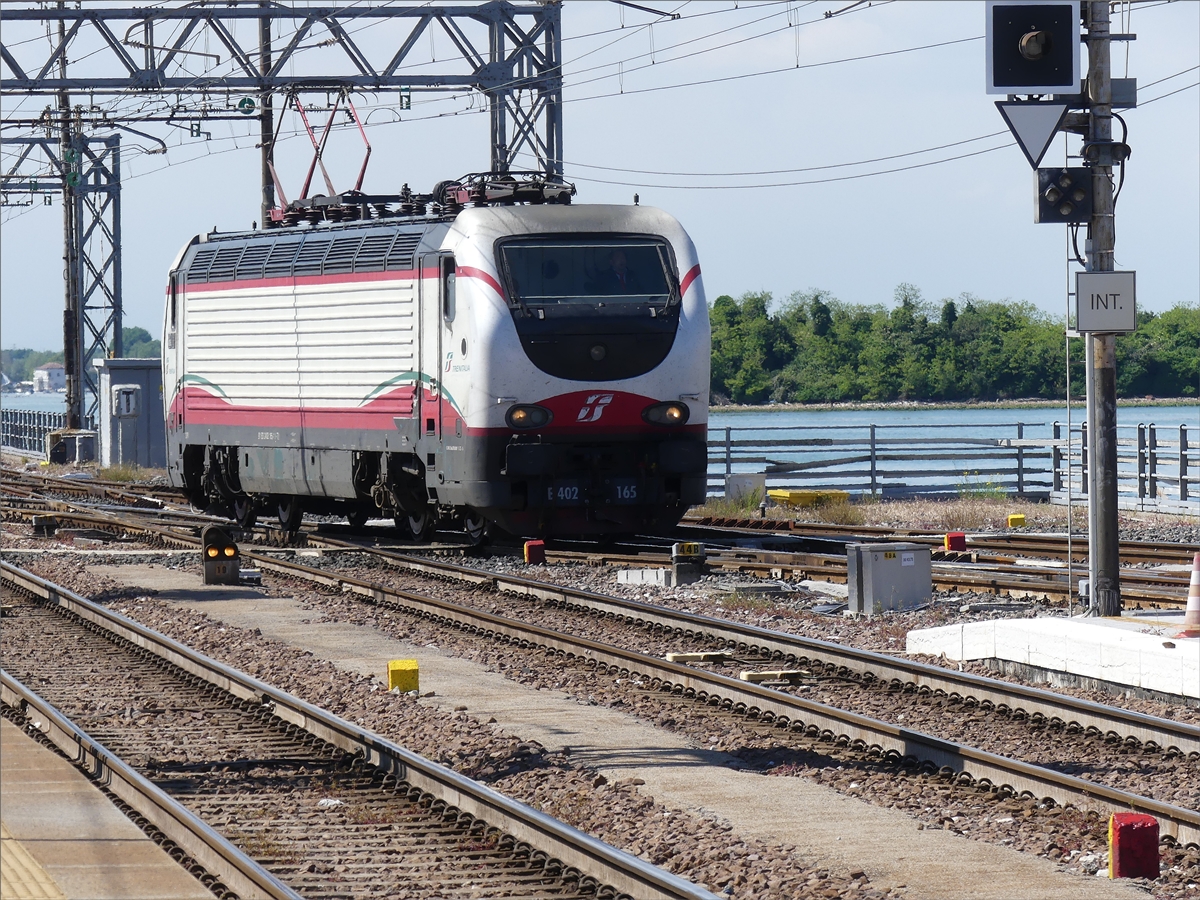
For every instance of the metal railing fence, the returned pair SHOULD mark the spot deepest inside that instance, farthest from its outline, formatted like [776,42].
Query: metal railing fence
[1158,468]
[24,430]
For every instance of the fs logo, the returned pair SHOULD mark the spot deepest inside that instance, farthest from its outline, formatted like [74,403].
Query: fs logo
[594,408]
[449,359]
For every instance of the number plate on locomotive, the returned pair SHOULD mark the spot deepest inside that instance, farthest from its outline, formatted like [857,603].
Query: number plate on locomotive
[564,493]
[622,490]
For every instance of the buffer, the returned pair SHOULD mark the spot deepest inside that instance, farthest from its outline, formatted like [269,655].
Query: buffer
[1033,123]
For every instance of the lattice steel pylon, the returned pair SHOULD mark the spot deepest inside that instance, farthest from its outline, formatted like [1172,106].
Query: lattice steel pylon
[519,69]
[88,175]
[94,165]
[191,62]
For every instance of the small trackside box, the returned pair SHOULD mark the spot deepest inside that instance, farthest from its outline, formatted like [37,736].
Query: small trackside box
[891,576]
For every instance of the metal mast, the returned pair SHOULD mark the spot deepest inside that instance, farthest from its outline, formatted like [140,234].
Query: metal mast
[1103,538]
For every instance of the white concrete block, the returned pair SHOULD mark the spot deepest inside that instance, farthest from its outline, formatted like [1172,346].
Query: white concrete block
[1120,651]
[1166,669]
[826,587]
[934,641]
[657,577]
[977,641]
[1122,662]
[1190,669]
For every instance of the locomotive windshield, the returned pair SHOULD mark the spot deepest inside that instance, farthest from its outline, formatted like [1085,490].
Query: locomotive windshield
[588,276]
[593,307]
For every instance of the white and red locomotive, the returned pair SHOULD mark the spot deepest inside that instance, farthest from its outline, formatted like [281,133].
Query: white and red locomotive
[542,366]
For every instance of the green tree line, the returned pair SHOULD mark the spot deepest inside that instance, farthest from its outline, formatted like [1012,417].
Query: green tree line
[18,365]
[817,349]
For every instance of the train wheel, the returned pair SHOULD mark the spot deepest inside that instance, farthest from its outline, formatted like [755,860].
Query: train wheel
[476,527]
[421,526]
[357,517]
[245,511]
[290,514]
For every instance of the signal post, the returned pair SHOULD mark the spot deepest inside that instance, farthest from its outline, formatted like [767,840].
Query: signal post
[1104,548]
[1033,50]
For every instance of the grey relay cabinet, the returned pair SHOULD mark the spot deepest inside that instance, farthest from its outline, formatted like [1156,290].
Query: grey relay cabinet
[883,577]
[132,425]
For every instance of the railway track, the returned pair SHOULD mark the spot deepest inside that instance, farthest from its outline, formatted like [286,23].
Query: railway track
[304,803]
[748,639]
[981,572]
[722,710]
[142,496]
[796,650]
[778,709]
[1053,546]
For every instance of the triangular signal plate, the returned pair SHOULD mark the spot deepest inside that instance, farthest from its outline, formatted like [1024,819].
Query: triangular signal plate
[1033,123]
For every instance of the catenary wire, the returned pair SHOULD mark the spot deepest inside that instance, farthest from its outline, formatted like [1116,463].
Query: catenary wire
[861,162]
[744,187]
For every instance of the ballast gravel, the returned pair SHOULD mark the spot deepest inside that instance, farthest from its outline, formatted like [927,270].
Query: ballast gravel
[679,842]
[1148,772]
[1078,845]
[700,849]
[793,611]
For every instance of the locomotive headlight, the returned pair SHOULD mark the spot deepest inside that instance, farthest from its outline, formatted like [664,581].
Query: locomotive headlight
[527,417]
[666,413]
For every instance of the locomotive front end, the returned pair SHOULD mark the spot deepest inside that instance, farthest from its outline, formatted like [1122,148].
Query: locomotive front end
[599,366]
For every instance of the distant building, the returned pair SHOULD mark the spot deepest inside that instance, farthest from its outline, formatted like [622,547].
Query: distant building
[50,377]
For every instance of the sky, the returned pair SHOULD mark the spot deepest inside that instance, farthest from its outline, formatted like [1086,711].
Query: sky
[678,110]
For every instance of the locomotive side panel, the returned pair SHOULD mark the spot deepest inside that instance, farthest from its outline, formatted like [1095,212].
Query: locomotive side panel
[292,353]
[240,367]
[357,361]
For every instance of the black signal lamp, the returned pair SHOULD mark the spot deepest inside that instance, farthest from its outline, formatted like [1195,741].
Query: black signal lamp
[670,413]
[1064,196]
[528,416]
[1036,44]
[1033,47]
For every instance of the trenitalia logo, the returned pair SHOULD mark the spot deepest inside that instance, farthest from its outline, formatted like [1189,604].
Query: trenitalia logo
[593,409]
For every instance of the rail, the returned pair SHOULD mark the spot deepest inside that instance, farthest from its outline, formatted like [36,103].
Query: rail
[1158,467]
[977,765]
[815,718]
[575,849]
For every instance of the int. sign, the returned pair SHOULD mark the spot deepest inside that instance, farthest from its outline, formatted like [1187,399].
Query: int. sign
[1105,302]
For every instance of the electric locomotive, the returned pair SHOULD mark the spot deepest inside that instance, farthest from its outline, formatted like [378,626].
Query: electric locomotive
[490,353]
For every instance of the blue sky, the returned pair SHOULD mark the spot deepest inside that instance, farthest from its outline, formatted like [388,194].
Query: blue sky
[963,225]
